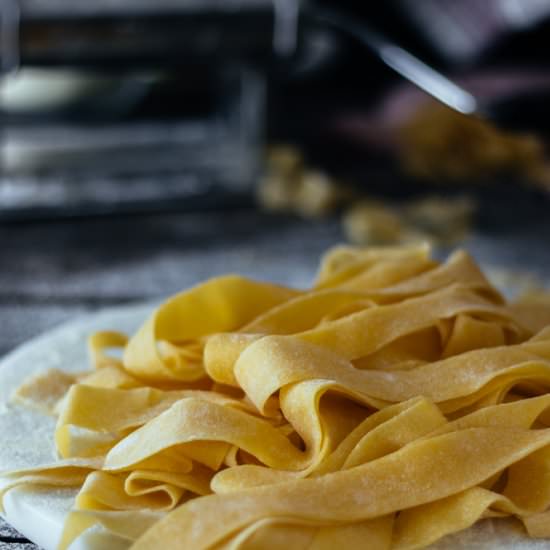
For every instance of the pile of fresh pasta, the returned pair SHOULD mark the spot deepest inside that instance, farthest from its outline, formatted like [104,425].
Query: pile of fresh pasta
[396,401]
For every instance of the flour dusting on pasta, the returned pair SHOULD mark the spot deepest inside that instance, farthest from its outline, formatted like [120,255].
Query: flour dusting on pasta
[397,401]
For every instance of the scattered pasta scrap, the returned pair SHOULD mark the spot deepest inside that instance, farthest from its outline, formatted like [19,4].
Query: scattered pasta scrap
[396,401]
[372,222]
[435,219]
[44,390]
[441,145]
[447,219]
[289,186]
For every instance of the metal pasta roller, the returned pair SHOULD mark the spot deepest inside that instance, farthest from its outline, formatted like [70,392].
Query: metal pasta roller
[119,106]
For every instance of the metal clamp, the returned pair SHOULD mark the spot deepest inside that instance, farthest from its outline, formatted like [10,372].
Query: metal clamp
[9,35]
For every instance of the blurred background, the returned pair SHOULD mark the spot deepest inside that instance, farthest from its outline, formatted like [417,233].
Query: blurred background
[145,146]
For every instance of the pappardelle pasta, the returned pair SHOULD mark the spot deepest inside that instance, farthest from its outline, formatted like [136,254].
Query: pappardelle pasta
[396,401]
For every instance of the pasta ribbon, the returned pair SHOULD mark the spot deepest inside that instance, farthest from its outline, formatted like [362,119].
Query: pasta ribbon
[395,402]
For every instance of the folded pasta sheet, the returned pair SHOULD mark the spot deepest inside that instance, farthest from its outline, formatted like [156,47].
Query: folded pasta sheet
[396,401]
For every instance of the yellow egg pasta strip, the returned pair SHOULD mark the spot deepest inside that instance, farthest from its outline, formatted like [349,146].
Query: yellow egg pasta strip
[383,275]
[111,376]
[519,414]
[275,361]
[269,534]
[367,331]
[304,312]
[401,480]
[459,267]
[191,420]
[141,490]
[99,342]
[115,411]
[106,491]
[422,525]
[533,310]
[379,434]
[385,431]
[139,482]
[341,263]
[108,410]
[221,304]
[104,499]
[538,525]
[469,334]
[528,483]
[276,533]
[374,533]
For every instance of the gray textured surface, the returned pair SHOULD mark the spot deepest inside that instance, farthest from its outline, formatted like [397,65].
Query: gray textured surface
[53,272]
[7,531]
[9,534]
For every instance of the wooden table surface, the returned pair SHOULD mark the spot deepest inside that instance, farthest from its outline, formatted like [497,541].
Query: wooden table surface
[56,271]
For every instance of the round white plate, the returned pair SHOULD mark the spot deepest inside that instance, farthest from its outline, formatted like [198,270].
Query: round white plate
[39,513]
